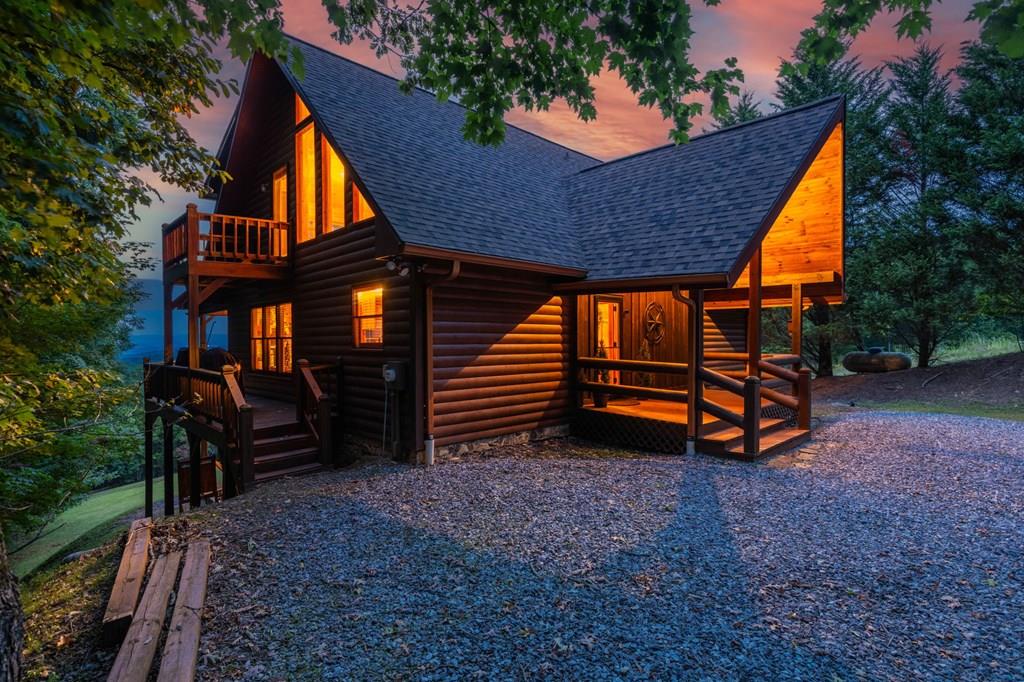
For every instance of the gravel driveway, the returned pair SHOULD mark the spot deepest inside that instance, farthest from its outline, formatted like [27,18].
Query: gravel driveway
[890,549]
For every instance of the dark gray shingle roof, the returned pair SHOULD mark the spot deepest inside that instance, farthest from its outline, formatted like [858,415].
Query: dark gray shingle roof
[671,211]
[691,209]
[435,188]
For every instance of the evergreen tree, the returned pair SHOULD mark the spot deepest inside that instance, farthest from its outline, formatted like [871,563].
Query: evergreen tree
[744,109]
[990,186]
[914,264]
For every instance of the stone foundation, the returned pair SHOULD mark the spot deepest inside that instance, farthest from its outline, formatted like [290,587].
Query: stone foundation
[484,444]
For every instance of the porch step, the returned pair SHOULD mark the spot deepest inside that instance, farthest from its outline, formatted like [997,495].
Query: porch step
[774,443]
[286,459]
[289,441]
[278,430]
[727,438]
[290,471]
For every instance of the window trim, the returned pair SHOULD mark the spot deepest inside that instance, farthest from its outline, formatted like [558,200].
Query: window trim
[278,337]
[356,317]
[326,152]
[300,106]
[299,170]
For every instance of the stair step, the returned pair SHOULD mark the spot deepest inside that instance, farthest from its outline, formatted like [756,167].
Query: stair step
[775,442]
[291,441]
[734,434]
[290,471]
[278,430]
[285,459]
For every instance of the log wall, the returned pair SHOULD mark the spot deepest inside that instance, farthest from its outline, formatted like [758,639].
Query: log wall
[500,352]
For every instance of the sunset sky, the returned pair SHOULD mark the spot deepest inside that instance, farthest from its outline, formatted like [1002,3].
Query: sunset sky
[758,32]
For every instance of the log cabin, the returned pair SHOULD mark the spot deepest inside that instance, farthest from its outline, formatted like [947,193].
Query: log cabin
[389,284]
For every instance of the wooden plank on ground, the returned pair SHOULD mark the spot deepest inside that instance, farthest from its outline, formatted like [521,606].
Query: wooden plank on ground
[181,650]
[128,583]
[139,649]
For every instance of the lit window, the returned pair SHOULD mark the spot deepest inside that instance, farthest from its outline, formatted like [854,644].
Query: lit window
[334,188]
[305,184]
[368,316]
[360,207]
[271,334]
[281,195]
[301,112]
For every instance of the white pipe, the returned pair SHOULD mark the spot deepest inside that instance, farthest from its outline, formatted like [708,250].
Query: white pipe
[428,451]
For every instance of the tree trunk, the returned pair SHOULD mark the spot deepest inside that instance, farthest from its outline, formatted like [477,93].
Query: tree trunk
[12,631]
[821,316]
[924,347]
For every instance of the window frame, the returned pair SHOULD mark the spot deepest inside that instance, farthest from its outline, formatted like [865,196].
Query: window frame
[327,152]
[300,170]
[264,339]
[357,318]
[357,196]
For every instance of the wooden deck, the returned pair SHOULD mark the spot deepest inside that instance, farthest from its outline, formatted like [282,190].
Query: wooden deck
[666,411]
[269,412]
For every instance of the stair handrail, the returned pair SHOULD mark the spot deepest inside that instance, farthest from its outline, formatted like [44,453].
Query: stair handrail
[750,421]
[239,424]
[314,407]
[800,402]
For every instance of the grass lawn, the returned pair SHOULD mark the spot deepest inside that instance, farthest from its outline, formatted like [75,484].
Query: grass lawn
[1011,412]
[88,524]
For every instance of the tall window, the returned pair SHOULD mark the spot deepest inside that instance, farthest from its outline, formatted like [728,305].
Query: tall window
[368,316]
[301,112]
[281,195]
[305,184]
[360,208]
[334,187]
[271,338]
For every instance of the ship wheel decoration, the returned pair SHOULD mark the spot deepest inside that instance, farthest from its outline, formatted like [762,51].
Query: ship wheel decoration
[654,323]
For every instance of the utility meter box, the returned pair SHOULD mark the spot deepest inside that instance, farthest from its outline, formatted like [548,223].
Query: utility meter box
[394,375]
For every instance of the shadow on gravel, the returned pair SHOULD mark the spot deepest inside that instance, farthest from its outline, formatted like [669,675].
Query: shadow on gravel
[380,598]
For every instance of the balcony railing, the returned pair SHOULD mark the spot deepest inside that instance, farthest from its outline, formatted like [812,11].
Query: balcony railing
[213,237]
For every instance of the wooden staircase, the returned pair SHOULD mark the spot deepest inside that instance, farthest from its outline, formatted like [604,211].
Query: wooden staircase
[776,436]
[285,450]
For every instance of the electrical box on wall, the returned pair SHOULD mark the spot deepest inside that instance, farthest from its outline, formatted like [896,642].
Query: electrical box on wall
[394,375]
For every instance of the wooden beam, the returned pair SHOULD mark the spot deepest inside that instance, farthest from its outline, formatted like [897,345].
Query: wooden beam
[168,323]
[193,321]
[139,649]
[128,583]
[754,317]
[211,288]
[697,358]
[796,324]
[181,651]
[168,466]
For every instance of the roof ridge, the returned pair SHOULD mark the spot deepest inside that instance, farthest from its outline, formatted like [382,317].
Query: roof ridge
[434,95]
[696,138]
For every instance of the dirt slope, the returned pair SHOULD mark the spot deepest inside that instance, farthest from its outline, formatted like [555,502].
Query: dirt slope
[996,382]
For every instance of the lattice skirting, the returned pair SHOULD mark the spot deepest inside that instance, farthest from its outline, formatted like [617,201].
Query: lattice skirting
[638,433]
[779,412]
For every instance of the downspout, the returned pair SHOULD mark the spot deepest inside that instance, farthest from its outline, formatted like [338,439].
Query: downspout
[692,369]
[428,353]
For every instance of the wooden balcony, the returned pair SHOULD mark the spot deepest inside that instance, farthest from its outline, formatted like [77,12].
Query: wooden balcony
[216,245]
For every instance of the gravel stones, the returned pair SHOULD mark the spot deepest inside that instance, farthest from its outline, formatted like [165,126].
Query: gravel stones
[890,550]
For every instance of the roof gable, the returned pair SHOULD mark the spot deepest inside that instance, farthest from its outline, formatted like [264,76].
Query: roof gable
[435,188]
[698,208]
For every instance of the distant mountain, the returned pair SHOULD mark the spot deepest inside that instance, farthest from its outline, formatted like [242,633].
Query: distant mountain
[149,340]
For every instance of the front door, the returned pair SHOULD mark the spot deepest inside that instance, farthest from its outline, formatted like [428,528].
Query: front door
[609,331]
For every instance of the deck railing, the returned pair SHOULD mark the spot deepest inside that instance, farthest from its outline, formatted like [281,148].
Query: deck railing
[210,407]
[198,236]
[632,390]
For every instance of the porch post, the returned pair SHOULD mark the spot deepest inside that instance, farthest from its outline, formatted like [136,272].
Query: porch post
[193,321]
[168,444]
[168,323]
[754,317]
[694,386]
[797,319]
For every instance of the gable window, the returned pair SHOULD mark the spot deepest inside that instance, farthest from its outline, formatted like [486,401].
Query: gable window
[368,316]
[334,187]
[305,184]
[301,111]
[271,338]
[360,207]
[281,195]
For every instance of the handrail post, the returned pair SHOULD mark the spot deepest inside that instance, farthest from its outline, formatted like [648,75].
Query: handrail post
[752,416]
[246,446]
[192,229]
[324,429]
[300,389]
[804,396]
